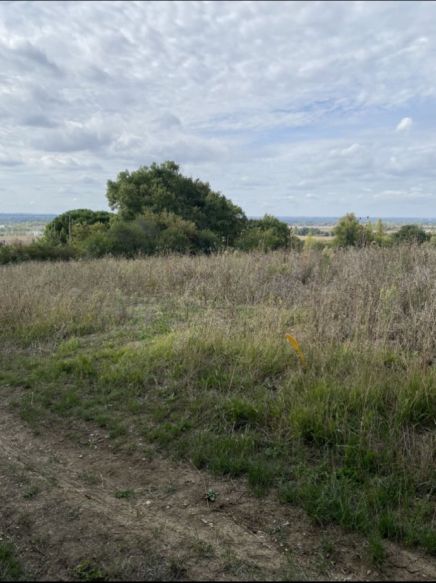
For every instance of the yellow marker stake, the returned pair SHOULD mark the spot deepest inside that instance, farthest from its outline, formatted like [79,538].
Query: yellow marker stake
[296,346]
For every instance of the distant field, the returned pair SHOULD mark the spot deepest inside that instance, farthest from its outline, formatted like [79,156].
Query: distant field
[315,237]
[25,239]
[25,231]
[22,227]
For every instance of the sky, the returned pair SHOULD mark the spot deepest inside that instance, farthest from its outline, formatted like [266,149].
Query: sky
[287,108]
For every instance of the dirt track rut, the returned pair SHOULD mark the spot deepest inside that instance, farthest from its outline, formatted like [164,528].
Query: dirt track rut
[72,506]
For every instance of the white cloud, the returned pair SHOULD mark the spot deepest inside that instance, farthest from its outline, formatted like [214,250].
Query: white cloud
[404,125]
[414,195]
[351,150]
[297,97]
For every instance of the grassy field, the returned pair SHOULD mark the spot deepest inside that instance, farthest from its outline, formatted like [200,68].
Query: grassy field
[187,356]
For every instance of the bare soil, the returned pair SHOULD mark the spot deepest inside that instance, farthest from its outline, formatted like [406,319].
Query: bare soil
[77,509]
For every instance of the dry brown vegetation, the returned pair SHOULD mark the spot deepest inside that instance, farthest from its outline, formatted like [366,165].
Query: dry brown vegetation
[375,297]
[188,355]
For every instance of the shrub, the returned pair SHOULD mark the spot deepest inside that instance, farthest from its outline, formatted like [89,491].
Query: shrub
[411,234]
[350,233]
[37,251]
[267,234]
[148,234]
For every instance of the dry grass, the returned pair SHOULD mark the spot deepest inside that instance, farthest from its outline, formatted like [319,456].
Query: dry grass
[385,297]
[190,353]
[13,239]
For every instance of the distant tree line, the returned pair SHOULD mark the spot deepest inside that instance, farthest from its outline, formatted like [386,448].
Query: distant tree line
[310,231]
[350,232]
[158,210]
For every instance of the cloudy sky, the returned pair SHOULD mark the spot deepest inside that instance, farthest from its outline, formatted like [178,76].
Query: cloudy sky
[290,108]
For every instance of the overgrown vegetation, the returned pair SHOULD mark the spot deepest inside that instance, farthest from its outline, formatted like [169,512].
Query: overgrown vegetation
[160,211]
[60,230]
[188,355]
[350,232]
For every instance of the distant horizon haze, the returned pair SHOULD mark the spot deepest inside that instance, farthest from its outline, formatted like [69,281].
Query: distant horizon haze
[300,219]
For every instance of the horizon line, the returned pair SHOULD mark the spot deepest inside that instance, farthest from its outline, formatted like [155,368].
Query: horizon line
[256,216]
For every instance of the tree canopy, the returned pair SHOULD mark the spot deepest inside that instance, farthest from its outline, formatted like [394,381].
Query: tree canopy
[59,230]
[350,233]
[267,234]
[411,234]
[147,234]
[159,210]
[162,188]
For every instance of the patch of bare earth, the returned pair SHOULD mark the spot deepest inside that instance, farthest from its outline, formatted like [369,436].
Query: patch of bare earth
[80,510]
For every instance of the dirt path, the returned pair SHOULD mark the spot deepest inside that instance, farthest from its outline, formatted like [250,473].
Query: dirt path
[77,511]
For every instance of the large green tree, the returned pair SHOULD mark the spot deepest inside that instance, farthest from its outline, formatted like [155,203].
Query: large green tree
[162,188]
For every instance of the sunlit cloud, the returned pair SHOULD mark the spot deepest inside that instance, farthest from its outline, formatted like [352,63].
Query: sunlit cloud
[404,125]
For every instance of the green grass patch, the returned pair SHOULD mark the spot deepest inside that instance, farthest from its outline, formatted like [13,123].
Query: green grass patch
[89,571]
[10,567]
[349,437]
[124,494]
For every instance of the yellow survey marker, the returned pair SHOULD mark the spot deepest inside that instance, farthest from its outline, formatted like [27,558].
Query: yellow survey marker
[296,346]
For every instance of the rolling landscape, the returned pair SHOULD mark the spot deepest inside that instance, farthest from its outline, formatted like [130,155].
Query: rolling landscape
[188,388]
[217,291]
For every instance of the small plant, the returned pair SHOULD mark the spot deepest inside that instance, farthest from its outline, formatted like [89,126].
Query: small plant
[177,570]
[211,495]
[10,568]
[124,494]
[88,571]
[241,413]
[89,478]
[203,549]
[377,553]
[31,492]
[327,547]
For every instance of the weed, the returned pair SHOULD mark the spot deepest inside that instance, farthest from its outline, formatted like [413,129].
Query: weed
[10,567]
[376,551]
[292,572]
[89,571]
[211,495]
[327,547]
[124,494]
[241,413]
[90,479]
[203,549]
[31,492]
[177,569]
[237,567]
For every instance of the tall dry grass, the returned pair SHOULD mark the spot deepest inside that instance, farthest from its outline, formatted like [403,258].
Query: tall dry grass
[379,296]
